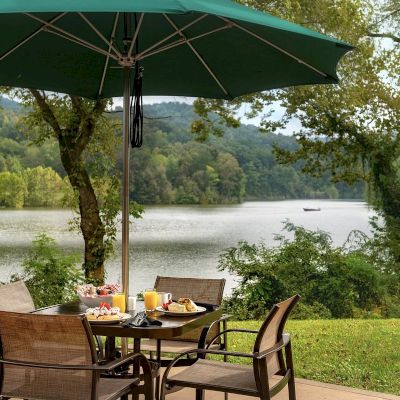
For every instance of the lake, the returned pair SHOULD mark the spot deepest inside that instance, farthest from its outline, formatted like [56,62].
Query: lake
[181,240]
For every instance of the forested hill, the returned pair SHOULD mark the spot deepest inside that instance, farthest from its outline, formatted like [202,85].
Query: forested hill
[171,167]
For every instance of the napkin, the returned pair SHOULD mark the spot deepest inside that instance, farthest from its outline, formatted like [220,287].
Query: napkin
[141,320]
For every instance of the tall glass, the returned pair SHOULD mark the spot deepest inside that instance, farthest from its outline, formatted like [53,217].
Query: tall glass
[150,299]
[118,300]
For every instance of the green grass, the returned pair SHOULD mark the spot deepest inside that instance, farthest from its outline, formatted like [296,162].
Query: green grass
[362,354]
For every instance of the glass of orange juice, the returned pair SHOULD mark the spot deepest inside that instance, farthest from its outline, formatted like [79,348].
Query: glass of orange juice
[118,300]
[150,299]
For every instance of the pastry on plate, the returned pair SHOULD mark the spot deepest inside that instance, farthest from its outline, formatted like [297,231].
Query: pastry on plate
[176,307]
[189,304]
[103,313]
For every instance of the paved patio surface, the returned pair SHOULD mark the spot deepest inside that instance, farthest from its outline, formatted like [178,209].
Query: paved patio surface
[305,389]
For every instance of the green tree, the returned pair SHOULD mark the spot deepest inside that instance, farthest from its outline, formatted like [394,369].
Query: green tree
[44,187]
[87,145]
[12,190]
[352,129]
[51,275]
[231,183]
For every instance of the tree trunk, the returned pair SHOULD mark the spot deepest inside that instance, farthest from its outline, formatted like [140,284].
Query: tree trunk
[73,140]
[91,225]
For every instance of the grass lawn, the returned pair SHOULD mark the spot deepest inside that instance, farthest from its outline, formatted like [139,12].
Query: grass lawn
[358,353]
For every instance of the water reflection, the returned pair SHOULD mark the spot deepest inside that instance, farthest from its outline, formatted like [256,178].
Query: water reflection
[181,241]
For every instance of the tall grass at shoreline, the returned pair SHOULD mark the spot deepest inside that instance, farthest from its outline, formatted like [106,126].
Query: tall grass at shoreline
[357,353]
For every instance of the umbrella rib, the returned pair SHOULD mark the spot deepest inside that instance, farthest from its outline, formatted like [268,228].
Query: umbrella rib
[269,43]
[135,35]
[183,41]
[201,59]
[103,77]
[69,36]
[101,36]
[29,37]
[176,32]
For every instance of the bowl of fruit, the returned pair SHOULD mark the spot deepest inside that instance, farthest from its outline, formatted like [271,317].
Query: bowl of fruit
[92,296]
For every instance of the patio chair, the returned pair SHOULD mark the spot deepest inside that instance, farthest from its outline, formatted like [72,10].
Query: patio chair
[272,363]
[200,290]
[52,357]
[15,297]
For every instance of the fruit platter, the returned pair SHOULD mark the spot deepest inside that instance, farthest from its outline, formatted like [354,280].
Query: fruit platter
[92,296]
[184,307]
[105,314]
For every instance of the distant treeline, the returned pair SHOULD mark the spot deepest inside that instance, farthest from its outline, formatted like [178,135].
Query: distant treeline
[170,168]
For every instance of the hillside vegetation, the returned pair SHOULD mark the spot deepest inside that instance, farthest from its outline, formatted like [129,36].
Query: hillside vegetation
[171,167]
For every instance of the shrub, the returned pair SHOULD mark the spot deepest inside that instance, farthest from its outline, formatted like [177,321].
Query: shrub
[311,311]
[51,275]
[338,282]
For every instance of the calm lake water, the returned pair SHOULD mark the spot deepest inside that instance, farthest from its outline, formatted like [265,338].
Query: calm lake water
[181,240]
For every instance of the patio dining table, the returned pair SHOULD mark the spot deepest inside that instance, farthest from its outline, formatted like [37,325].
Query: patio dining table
[171,326]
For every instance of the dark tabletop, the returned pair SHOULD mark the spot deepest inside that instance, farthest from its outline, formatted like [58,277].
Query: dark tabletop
[171,326]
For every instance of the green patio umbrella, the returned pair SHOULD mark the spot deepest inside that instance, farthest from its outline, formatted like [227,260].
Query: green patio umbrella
[199,48]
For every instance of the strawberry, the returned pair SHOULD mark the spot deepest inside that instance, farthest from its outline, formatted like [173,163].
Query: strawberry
[103,292]
[104,305]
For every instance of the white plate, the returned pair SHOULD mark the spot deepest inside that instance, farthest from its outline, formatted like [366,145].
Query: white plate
[182,314]
[123,318]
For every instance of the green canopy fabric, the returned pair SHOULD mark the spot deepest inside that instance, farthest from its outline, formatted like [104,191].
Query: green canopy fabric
[206,48]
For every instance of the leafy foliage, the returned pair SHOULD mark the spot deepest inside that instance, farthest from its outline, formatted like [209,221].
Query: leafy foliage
[171,168]
[51,275]
[337,282]
[349,131]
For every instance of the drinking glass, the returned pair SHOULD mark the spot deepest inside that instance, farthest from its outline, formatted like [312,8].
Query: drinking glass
[118,300]
[150,299]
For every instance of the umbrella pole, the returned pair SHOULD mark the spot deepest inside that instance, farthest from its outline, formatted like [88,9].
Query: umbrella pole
[125,185]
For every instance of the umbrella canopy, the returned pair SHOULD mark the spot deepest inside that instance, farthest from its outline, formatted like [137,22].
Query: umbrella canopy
[201,48]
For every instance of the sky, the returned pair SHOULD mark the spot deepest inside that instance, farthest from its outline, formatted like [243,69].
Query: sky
[292,126]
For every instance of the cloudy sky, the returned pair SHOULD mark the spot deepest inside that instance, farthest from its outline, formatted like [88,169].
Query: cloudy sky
[291,127]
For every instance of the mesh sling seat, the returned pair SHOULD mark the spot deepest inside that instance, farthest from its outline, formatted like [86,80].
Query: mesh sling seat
[15,297]
[200,290]
[53,357]
[271,371]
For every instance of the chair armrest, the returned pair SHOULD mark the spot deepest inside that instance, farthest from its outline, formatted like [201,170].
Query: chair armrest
[204,333]
[109,366]
[229,331]
[91,367]
[279,346]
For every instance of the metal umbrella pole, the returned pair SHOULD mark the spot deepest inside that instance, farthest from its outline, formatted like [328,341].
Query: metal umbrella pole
[125,184]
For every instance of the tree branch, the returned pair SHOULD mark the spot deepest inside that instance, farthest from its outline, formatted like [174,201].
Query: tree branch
[384,35]
[47,113]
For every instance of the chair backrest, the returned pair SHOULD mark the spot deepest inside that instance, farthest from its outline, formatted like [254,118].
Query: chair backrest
[46,339]
[15,297]
[202,290]
[271,331]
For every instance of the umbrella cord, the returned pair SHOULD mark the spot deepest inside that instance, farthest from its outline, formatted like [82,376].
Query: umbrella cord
[136,128]
[136,131]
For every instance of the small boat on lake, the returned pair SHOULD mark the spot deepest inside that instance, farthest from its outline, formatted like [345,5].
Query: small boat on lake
[311,209]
